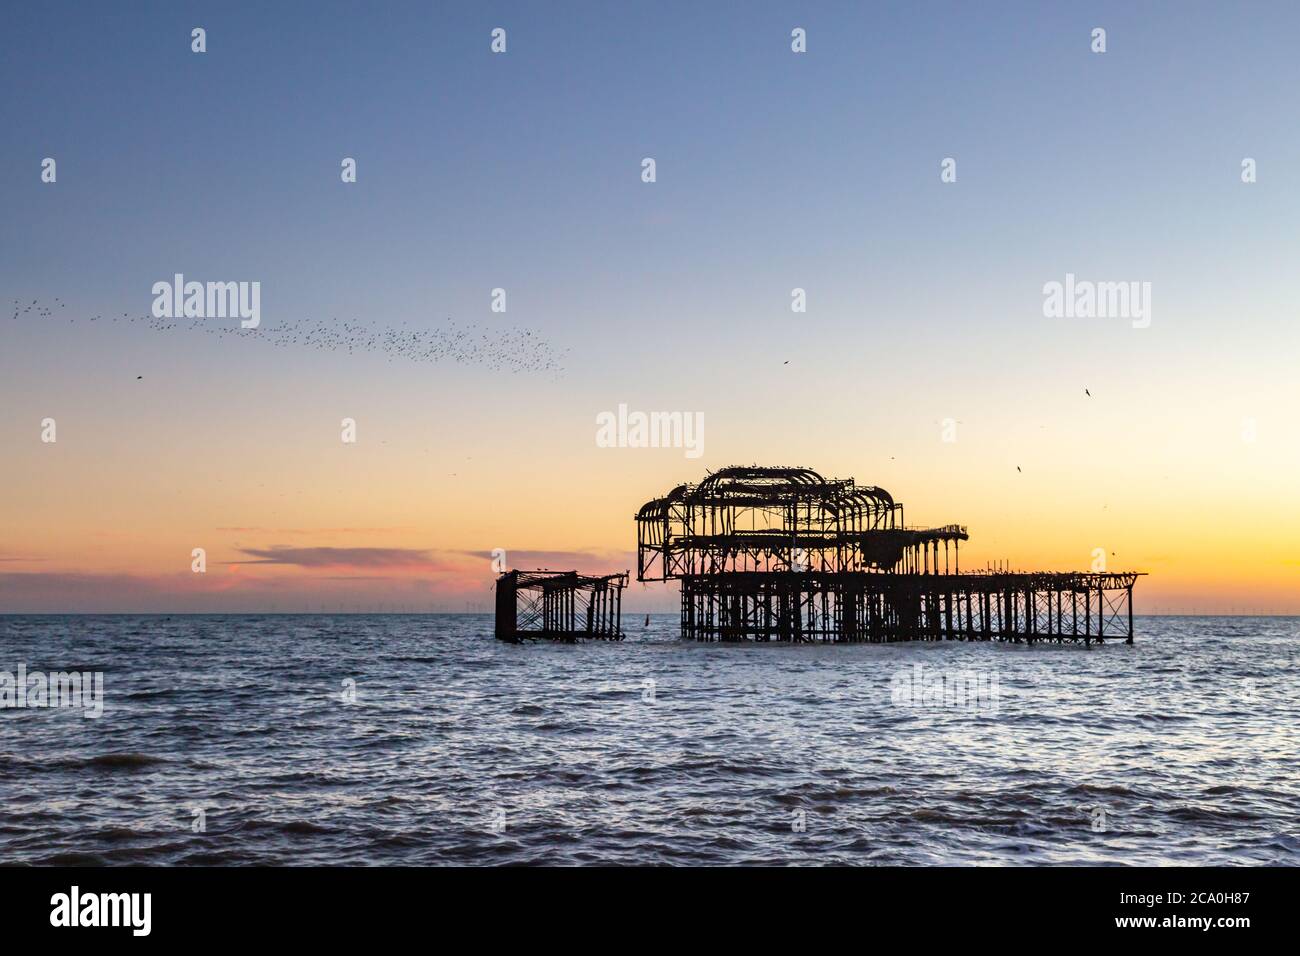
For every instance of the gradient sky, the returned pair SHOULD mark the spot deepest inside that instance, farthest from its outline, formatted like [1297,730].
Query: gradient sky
[522,171]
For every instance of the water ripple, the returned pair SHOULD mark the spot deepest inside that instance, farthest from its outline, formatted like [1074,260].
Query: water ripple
[232,740]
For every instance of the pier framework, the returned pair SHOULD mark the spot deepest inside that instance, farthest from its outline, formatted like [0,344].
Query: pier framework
[559,606]
[856,607]
[783,554]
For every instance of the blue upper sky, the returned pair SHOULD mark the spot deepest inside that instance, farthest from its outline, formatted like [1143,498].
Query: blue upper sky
[477,171]
[775,170]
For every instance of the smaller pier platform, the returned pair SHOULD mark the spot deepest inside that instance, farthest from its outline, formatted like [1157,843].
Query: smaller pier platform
[559,606]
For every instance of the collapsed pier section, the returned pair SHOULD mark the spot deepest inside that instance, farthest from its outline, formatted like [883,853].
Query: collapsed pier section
[559,606]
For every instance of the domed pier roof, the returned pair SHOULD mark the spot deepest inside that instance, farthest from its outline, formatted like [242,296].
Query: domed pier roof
[763,518]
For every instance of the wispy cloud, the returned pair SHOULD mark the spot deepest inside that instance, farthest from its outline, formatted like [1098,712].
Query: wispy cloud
[279,575]
[60,592]
[582,560]
[313,531]
[339,557]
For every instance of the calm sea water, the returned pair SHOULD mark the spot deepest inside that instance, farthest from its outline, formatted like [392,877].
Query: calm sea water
[1181,749]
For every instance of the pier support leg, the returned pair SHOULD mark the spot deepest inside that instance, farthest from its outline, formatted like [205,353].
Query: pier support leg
[1101,616]
[1129,591]
[1087,618]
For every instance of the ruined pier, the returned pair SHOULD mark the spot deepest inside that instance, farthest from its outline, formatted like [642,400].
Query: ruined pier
[783,554]
[559,606]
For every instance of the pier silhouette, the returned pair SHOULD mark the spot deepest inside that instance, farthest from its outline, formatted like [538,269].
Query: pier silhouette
[783,554]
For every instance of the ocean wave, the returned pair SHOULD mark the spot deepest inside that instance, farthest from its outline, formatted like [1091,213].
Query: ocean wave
[474,752]
[116,761]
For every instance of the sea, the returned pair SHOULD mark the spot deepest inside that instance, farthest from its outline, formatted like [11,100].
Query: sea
[420,740]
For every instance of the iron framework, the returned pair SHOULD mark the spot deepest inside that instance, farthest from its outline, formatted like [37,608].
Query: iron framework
[782,554]
[559,606]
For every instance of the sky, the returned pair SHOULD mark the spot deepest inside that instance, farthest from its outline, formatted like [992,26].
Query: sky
[523,171]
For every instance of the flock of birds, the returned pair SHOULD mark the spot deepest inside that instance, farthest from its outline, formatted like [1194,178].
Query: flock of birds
[511,350]
[500,350]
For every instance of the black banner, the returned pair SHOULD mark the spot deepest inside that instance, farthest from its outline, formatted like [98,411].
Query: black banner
[335,905]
